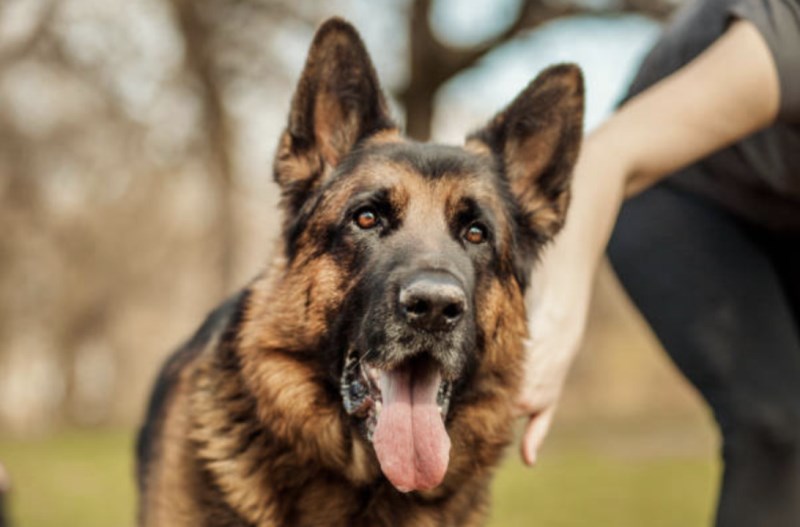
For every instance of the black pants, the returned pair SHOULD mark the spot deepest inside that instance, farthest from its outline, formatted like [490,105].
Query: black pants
[723,297]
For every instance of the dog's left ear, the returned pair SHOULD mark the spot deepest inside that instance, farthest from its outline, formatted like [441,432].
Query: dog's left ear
[536,140]
[337,103]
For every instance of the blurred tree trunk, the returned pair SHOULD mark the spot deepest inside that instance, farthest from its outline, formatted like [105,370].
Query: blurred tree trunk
[434,62]
[200,63]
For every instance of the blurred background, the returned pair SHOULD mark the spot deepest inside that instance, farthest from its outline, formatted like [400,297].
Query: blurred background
[136,141]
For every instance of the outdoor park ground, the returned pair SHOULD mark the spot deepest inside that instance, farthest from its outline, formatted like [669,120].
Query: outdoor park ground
[604,474]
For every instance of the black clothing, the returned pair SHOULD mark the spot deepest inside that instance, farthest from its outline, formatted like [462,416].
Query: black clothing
[711,257]
[759,177]
[723,297]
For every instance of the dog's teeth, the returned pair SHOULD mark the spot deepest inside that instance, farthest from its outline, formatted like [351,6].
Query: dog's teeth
[378,406]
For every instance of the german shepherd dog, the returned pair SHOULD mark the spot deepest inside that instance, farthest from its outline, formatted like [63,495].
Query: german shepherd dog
[368,376]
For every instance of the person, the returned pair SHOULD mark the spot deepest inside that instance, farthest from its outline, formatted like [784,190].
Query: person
[705,155]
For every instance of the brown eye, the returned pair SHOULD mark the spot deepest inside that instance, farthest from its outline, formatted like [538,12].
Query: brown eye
[366,218]
[475,233]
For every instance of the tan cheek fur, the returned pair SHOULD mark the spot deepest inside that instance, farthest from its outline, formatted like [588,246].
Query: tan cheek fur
[482,429]
[289,311]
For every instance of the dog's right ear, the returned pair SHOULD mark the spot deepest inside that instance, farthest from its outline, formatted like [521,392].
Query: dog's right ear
[338,102]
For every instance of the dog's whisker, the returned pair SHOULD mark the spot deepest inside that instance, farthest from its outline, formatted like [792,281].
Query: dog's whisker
[368,354]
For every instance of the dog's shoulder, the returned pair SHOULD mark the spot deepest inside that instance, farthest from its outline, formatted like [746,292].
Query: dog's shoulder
[205,340]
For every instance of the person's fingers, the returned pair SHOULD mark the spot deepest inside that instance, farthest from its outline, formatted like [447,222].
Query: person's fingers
[523,407]
[535,432]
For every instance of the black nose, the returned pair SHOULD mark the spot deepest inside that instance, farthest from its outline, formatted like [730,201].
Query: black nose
[432,301]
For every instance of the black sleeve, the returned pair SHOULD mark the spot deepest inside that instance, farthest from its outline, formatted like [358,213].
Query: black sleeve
[694,27]
[778,21]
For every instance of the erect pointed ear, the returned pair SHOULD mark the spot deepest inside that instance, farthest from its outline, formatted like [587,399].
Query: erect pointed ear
[536,141]
[337,103]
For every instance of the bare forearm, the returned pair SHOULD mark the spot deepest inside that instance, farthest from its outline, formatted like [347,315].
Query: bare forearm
[568,265]
[727,93]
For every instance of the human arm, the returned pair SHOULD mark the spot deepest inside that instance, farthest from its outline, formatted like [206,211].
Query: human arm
[728,92]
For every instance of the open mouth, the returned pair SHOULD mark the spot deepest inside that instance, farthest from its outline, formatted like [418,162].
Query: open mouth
[402,412]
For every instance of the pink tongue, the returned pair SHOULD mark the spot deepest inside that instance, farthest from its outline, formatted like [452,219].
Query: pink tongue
[410,439]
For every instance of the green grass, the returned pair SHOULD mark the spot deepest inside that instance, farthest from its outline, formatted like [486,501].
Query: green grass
[86,479]
[579,489]
[71,479]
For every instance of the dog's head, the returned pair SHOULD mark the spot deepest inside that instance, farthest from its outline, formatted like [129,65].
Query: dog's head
[414,251]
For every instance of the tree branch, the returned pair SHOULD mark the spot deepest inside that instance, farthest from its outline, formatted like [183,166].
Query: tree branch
[452,60]
[433,62]
[199,62]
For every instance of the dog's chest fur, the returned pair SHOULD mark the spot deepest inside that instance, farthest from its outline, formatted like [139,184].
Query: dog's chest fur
[218,458]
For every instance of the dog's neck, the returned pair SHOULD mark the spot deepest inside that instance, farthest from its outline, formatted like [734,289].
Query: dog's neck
[267,429]
[246,427]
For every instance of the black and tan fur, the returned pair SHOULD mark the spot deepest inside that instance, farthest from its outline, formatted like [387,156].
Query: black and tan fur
[246,426]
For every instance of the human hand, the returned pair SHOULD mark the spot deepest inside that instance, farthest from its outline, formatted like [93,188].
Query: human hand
[556,320]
